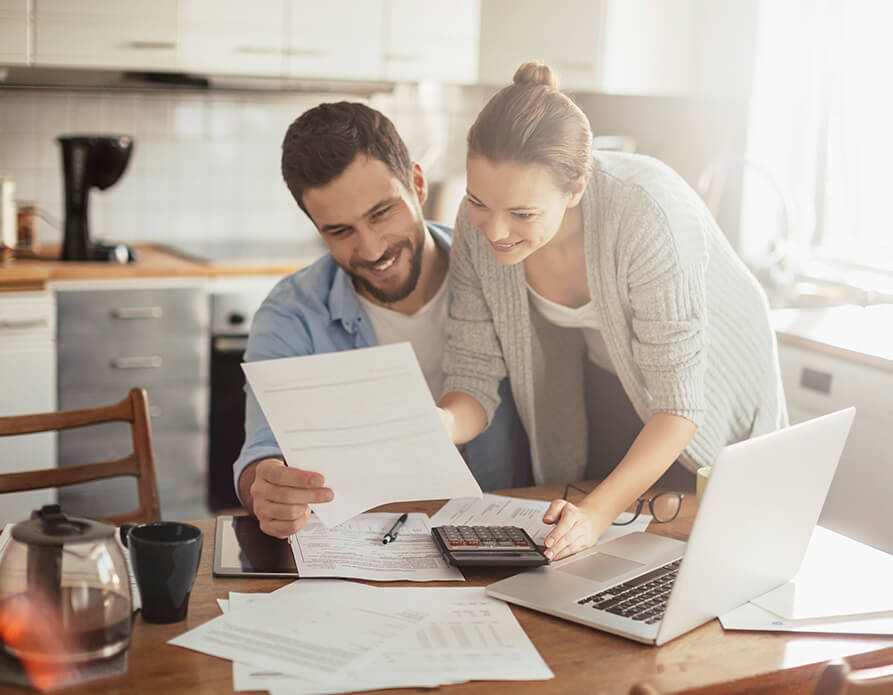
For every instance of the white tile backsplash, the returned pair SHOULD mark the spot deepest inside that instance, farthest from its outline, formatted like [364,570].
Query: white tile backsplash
[204,165]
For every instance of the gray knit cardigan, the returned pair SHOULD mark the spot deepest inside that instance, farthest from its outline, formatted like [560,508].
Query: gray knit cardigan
[685,323]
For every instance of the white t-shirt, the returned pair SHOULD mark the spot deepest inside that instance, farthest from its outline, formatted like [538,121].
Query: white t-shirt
[425,330]
[586,318]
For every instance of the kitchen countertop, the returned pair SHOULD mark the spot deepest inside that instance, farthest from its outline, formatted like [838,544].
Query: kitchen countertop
[153,261]
[855,333]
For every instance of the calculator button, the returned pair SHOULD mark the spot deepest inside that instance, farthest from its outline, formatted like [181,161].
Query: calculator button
[457,542]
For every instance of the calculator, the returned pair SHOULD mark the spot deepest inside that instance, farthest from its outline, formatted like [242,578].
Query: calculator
[487,546]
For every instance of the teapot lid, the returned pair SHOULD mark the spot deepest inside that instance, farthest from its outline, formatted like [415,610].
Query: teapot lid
[50,527]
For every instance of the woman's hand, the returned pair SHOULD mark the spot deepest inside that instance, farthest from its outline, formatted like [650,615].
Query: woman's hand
[576,528]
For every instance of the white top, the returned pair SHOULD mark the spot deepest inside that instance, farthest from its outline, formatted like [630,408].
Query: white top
[425,330]
[585,317]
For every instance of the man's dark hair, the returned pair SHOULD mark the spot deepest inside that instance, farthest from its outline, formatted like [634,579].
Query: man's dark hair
[324,140]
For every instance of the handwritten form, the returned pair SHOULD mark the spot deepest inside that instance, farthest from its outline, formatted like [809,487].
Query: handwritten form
[496,510]
[353,549]
[366,420]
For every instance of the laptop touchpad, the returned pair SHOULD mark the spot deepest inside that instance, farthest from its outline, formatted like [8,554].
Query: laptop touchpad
[600,567]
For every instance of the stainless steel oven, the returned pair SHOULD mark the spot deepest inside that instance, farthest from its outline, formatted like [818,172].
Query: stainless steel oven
[232,309]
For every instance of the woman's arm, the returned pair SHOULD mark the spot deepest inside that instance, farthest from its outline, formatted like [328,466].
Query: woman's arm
[657,446]
[463,416]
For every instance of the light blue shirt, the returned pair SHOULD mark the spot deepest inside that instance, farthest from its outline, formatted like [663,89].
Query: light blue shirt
[316,310]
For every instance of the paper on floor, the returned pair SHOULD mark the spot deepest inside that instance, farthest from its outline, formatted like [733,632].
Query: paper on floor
[353,549]
[365,419]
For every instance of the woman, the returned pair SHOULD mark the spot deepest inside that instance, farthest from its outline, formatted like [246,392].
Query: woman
[618,257]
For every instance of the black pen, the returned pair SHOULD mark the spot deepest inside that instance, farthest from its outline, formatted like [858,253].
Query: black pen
[391,535]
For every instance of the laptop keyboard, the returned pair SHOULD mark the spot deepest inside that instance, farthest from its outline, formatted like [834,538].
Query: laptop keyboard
[643,598]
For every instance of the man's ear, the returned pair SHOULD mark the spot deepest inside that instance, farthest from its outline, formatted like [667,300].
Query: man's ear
[577,191]
[419,183]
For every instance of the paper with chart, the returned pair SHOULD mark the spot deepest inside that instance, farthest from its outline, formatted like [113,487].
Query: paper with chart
[365,419]
[470,636]
[353,549]
[496,510]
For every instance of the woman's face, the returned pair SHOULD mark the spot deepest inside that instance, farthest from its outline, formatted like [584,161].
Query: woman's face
[517,207]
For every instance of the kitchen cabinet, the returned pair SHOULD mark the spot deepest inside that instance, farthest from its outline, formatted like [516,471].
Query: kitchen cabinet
[338,39]
[644,47]
[435,41]
[231,37]
[816,382]
[153,336]
[28,378]
[131,35]
[15,32]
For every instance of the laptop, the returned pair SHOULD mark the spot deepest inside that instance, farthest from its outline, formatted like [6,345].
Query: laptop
[749,536]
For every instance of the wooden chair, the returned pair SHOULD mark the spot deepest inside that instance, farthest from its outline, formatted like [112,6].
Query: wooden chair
[139,464]
[839,679]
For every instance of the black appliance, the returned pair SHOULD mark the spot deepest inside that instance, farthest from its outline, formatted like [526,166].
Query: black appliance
[91,161]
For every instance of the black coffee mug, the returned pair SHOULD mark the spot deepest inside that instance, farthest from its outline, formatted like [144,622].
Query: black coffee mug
[165,557]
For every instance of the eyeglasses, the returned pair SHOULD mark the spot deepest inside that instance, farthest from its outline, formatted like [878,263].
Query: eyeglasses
[664,506]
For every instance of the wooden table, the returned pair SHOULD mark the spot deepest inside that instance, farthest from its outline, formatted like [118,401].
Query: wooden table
[706,660]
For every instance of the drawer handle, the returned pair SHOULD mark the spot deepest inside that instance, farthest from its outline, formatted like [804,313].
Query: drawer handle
[147,362]
[23,323]
[151,45]
[137,312]
[154,411]
[306,52]
[815,380]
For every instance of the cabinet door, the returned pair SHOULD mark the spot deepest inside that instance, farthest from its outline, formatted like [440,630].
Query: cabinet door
[649,47]
[859,499]
[564,34]
[339,39]
[14,29]
[28,378]
[436,41]
[231,37]
[134,35]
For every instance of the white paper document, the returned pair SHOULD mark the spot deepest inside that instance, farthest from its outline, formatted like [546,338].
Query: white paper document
[470,637]
[496,510]
[353,549]
[366,420]
[838,577]
[751,617]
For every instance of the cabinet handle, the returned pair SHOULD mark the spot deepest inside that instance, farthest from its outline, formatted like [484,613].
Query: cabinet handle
[154,411]
[815,380]
[13,324]
[151,45]
[230,345]
[306,52]
[146,362]
[258,50]
[137,312]
[404,57]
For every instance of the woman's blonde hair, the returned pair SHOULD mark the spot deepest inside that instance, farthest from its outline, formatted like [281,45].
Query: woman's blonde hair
[531,122]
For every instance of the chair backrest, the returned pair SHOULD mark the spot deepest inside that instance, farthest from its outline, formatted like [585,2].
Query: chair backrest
[139,464]
[839,679]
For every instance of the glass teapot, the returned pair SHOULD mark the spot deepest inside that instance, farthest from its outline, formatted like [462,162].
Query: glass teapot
[64,590]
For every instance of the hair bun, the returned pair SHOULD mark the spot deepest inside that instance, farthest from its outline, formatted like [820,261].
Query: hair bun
[535,73]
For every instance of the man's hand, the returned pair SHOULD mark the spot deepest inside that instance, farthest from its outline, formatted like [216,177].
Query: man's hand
[280,496]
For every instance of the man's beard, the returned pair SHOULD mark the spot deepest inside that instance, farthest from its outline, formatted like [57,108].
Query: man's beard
[415,270]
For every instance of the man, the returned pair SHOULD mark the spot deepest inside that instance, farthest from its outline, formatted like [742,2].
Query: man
[383,281]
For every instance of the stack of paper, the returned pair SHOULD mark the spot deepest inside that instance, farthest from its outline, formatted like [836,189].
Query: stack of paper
[332,636]
[843,586]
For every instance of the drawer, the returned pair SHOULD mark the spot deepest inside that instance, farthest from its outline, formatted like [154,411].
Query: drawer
[821,383]
[171,409]
[132,315]
[126,364]
[27,318]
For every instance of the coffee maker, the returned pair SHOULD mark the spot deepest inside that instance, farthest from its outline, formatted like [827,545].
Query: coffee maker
[91,161]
